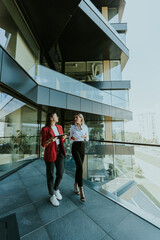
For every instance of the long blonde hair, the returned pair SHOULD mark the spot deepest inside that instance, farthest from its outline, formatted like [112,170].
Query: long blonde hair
[82,118]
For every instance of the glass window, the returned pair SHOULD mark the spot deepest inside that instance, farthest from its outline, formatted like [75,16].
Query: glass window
[113,15]
[85,71]
[123,94]
[118,130]
[18,131]
[115,70]
[16,38]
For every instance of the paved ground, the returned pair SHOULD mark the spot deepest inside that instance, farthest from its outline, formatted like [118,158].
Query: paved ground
[25,193]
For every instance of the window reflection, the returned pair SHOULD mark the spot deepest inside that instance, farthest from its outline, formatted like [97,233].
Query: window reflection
[115,70]
[18,131]
[16,38]
[85,71]
[113,15]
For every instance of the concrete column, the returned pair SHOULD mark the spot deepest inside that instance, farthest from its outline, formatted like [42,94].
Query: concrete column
[105,12]
[106,70]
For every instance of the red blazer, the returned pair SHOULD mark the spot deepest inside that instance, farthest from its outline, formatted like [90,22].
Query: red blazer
[50,153]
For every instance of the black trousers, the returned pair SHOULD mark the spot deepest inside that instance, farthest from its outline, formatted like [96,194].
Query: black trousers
[78,153]
[59,163]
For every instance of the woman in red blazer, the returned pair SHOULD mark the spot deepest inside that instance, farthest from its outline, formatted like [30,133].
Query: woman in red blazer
[53,155]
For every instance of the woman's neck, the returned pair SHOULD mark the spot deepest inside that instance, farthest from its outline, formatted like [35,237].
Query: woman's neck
[78,125]
[53,124]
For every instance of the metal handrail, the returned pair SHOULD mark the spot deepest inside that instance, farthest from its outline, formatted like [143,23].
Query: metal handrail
[105,141]
[127,143]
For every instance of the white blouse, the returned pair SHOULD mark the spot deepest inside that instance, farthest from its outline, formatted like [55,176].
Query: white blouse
[55,130]
[75,132]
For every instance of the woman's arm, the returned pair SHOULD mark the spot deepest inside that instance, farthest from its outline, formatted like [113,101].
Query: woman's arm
[65,136]
[71,134]
[45,141]
[86,135]
[44,137]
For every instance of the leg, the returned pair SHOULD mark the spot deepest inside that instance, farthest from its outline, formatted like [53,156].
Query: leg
[82,151]
[50,176]
[77,157]
[59,169]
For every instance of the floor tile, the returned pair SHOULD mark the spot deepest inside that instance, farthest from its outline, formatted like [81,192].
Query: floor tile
[48,212]
[28,219]
[135,228]
[75,226]
[40,234]
[13,201]
[107,214]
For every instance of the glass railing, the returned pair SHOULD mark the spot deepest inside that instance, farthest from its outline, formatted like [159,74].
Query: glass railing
[129,173]
[58,81]
[52,79]
[17,150]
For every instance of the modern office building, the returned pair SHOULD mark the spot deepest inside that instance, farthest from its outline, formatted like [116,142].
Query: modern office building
[66,56]
[63,56]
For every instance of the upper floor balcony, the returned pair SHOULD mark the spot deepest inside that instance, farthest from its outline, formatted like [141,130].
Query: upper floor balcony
[51,88]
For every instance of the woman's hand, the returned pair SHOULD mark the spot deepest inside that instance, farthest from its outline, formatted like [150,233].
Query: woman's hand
[84,136]
[73,138]
[52,139]
[64,137]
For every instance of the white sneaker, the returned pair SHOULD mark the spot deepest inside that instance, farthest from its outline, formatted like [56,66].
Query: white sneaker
[54,201]
[58,194]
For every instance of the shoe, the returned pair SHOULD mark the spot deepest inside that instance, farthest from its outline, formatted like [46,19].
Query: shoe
[54,201]
[76,189]
[58,194]
[82,197]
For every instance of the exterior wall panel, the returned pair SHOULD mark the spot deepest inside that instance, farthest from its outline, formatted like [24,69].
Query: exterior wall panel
[73,103]
[14,76]
[43,95]
[58,99]
[86,106]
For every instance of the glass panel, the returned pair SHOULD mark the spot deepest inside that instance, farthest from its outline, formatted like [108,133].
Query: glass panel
[16,38]
[18,132]
[123,94]
[113,16]
[118,130]
[55,80]
[130,174]
[85,71]
[118,102]
[95,71]
[115,71]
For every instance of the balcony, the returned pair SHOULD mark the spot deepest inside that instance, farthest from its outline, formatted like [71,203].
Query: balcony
[55,89]
[25,194]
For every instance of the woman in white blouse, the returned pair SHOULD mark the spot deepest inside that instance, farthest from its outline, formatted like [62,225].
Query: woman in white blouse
[79,134]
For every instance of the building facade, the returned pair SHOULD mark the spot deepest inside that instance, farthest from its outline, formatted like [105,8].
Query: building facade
[63,56]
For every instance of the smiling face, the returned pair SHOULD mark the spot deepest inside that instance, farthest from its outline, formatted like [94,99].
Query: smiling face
[77,119]
[54,118]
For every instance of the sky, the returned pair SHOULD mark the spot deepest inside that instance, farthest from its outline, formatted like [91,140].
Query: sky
[143,66]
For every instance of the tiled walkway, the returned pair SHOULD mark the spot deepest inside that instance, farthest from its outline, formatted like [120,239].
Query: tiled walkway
[25,193]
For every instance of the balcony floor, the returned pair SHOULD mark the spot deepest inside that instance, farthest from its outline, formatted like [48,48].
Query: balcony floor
[25,193]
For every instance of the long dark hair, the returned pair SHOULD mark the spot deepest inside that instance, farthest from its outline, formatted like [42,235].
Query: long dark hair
[48,120]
